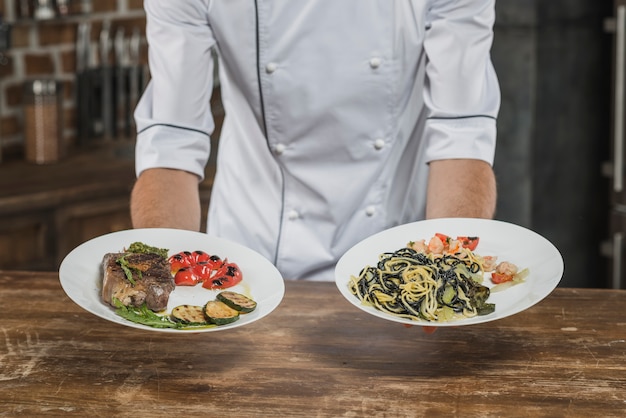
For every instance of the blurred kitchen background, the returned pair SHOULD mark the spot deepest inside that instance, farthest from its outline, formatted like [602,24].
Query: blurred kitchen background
[70,71]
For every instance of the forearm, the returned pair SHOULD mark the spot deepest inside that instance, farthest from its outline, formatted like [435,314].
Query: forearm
[167,199]
[461,188]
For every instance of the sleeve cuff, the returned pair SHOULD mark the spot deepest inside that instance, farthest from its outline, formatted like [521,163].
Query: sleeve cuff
[468,138]
[164,146]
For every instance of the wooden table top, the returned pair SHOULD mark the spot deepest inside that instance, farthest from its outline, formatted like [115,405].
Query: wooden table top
[315,355]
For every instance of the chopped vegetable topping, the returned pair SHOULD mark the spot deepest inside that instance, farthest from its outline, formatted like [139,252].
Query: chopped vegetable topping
[141,248]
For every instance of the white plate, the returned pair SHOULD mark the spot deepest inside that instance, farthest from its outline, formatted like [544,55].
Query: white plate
[508,242]
[81,274]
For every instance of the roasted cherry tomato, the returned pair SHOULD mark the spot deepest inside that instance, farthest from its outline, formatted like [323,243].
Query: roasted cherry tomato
[469,242]
[191,268]
[180,260]
[498,278]
[202,270]
[185,277]
[215,261]
[199,256]
[227,275]
[205,270]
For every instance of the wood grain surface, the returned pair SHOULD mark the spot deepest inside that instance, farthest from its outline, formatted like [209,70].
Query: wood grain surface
[314,356]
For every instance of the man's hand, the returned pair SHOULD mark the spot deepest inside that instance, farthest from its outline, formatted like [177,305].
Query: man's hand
[165,198]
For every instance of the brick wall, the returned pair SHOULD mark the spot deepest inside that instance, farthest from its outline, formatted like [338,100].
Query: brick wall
[46,48]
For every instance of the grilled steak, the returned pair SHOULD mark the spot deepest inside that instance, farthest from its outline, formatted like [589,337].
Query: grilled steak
[151,274]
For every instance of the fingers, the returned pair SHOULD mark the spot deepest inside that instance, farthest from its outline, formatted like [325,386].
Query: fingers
[429,330]
[425,328]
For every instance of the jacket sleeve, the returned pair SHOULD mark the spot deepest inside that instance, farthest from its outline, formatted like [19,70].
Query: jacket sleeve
[461,88]
[173,117]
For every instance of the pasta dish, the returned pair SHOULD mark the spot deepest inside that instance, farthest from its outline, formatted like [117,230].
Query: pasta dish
[438,281]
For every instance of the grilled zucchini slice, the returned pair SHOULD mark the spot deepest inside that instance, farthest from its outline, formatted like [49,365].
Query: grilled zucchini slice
[219,313]
[237,301]
[189,315]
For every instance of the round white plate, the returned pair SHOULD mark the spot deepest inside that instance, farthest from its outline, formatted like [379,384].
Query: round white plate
[81,274]
[508,242]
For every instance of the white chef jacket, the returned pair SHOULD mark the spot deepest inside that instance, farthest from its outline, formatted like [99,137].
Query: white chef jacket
[333,110]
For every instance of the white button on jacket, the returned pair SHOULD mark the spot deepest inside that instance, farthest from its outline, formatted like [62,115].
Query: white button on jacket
[362,94]
[374,62]
[279,149]
[270,67]
[293,215]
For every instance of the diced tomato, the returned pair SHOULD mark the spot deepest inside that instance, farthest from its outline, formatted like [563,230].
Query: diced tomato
[185,277]
[443,237]
[228,275]
[469,242]
[498,278]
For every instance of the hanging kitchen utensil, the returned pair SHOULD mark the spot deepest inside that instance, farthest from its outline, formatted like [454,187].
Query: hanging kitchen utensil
[106,70]
[136,79]
[119,45]
[84,112]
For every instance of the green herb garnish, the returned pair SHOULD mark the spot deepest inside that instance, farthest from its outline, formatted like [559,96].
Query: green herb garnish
[143,315]
[141,248]
[128,271]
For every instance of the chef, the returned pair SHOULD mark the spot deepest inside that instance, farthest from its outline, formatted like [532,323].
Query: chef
[342,119]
